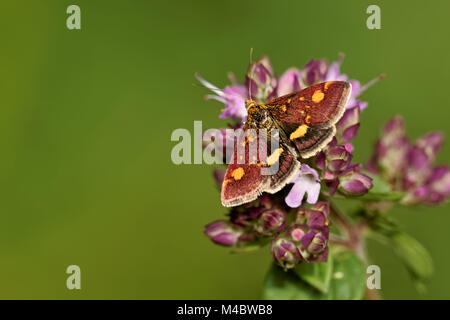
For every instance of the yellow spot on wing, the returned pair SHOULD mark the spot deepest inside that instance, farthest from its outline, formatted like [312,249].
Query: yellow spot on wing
[317,96]
[274,156]
[301,98]
[327,84]
[300,132]
[283,108]
[308,119]
[238,173]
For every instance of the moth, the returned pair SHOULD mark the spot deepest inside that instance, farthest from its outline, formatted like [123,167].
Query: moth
[305,122]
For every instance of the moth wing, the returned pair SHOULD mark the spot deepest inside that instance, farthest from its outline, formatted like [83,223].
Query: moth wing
[243,181]
[288,166]
[314,140]
[248,176]
[320,105]
[245,189]
[308,116]
[281,162]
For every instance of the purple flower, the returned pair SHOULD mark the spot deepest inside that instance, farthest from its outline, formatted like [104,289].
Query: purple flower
[289,82]
[390,156]
[337,158]
[271,222]
[434,190]
[232,96]
[354,183]
[260,217]
[221,232]
[334,73]
[317,215]
[313,225]
[315,71]
[438,184]
[315,246]
[409,168]
[306,181]
[284,252]
[339,173]
[348,126]
[422,154]
[424,182]
[431,143]
[306,239]
[260,80]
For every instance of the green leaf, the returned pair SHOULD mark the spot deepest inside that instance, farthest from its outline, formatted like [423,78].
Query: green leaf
[286,285]
[316,274]
[348,280]
[414,256]
[349,277]
[381,191]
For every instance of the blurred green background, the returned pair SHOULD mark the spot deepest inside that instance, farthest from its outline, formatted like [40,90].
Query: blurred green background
[86,118]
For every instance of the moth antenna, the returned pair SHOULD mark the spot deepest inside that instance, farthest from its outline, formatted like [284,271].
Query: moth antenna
[251,77]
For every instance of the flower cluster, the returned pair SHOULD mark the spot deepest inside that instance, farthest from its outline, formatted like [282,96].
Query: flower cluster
[409,167]
[297,231]
[306,239]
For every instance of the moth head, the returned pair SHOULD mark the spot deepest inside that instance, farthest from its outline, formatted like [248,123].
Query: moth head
[249,104]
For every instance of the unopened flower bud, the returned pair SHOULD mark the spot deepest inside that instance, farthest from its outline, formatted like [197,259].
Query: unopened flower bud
[431,142]
[289,82]
[318,244]
[259,79]
[221,232]
[338,158]
[284,253]
[314,246]
[354,183]
[318,215]
[348,125]
[315,71]
[270,222]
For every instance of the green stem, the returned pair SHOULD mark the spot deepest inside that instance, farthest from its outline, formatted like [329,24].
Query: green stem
[354,232]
